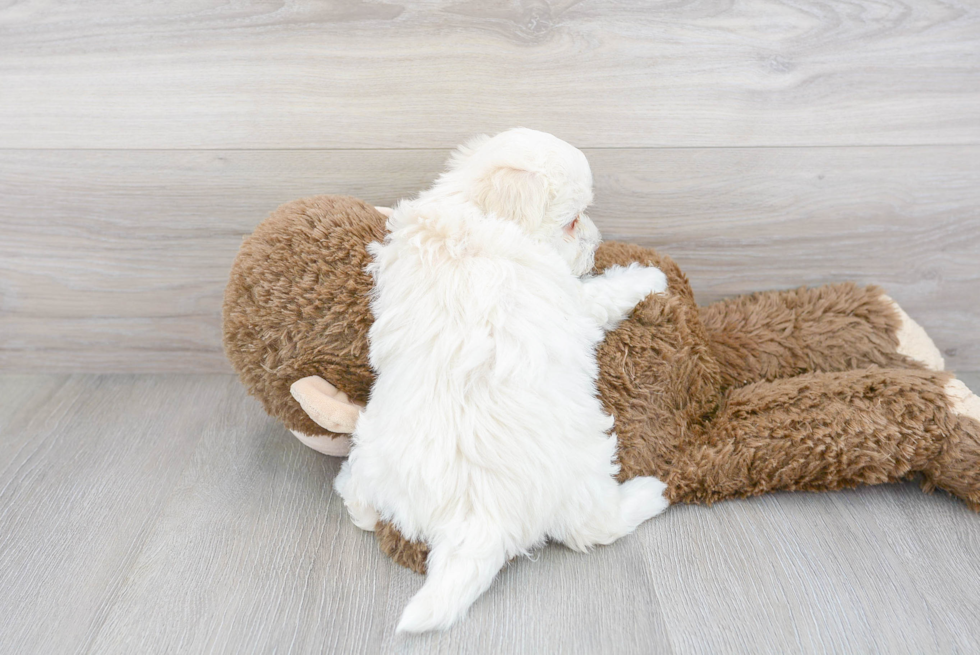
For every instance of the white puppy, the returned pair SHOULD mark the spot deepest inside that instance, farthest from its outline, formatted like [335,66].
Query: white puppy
[484,435]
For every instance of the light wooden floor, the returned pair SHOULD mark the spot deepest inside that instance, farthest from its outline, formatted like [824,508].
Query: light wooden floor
[169,514]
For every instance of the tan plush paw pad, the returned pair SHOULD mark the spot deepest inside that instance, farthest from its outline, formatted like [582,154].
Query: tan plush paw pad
[333,446]
[329,407]
[384,211]
[963,401]
[914,343]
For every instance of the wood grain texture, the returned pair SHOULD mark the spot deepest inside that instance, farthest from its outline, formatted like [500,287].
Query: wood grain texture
[852,571]
[117,260]
[83,475]
[358,74]
[21,396]
[162,514]
[254,553]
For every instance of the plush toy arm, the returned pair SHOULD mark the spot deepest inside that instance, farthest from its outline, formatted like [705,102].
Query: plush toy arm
[329,407]
[612,295]
[839,327]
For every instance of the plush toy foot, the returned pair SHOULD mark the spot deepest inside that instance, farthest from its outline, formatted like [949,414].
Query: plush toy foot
[958,467]
[914,343]
[385,211]
[963,402]
[333,446]
[329,407]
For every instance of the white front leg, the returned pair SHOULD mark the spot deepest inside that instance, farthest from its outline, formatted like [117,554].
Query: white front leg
[613,295]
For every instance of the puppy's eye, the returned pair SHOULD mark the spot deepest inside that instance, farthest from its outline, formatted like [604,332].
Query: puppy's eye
[570,228]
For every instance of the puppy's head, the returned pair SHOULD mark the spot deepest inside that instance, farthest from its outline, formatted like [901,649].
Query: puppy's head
[536,180]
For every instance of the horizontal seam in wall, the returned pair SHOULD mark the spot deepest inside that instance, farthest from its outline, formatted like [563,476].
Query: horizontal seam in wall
[438,149]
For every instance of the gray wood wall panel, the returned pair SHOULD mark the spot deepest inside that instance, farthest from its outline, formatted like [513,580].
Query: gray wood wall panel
[116,260]
[351,73]
[169,514]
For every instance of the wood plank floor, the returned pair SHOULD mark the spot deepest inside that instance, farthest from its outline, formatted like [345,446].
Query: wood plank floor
[165,514]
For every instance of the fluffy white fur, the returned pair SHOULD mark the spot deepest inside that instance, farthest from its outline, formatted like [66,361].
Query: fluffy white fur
[483,435]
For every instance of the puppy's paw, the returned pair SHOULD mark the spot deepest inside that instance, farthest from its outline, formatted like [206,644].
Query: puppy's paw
[614,294]
[647,280]
[361,514]
[638,281]
[642,499]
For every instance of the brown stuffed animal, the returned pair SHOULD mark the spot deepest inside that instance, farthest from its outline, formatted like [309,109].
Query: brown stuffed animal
[809,389]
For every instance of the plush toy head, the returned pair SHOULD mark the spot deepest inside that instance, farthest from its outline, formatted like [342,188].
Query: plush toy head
[297,304]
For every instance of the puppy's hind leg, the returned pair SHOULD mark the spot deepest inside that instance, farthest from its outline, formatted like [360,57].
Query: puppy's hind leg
[641,499]
[362,514]
[620,513]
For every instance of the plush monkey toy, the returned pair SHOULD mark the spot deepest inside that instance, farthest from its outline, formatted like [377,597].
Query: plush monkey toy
[808,389]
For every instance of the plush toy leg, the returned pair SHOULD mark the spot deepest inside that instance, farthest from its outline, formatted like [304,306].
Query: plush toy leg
[957,469]
[839,327]
[823,431]
[913,342]
[329,408]
[410,554]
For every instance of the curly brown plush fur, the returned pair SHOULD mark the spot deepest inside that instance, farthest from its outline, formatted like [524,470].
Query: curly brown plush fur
[791,390]
[297,303]
[778,334]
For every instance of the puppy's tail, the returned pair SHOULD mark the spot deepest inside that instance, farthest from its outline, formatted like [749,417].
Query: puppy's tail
[457,574]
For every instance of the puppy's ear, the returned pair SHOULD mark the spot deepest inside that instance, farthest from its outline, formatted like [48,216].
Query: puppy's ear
[514,194]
